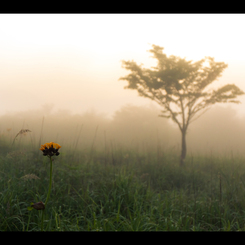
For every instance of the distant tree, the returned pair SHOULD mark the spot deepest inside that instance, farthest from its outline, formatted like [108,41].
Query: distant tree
[179,86]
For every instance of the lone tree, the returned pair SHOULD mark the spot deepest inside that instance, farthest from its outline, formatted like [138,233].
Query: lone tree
[180,87]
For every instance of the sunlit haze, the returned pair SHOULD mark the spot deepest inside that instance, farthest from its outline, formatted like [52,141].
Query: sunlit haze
[74,60]
[70,64]
[83,147]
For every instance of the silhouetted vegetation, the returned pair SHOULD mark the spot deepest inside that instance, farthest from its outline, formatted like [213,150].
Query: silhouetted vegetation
[180,87]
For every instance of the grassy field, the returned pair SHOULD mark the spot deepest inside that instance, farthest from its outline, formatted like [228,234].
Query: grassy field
[119,190]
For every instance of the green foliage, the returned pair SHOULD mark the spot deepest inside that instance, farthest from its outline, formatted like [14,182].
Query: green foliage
[140,192]
[175,82]
[180,87]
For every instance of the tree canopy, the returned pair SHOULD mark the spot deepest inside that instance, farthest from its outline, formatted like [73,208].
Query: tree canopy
[180,86]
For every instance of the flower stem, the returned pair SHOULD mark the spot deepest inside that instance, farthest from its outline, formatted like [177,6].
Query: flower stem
[50,182]
[49,190]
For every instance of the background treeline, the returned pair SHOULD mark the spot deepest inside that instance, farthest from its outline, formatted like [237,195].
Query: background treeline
[218,131]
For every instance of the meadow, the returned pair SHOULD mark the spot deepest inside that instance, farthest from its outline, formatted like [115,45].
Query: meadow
[120,175]
[120,190]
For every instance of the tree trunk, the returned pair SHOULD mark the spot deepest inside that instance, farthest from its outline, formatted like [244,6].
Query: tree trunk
[183,147]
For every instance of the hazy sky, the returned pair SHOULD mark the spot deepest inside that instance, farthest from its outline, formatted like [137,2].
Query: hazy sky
[74,60]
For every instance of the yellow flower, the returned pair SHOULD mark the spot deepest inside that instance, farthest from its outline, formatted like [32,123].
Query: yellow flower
[50,149]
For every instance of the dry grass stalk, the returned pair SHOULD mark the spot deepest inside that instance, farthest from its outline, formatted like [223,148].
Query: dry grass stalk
[22,132]
[29,177]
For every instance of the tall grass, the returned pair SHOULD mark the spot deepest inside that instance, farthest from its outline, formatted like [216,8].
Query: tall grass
[119,189]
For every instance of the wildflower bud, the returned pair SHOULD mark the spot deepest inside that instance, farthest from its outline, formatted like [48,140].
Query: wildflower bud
[38,205]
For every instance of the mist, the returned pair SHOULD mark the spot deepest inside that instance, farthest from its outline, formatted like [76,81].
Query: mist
[61,81]
[64,79]
[219,131]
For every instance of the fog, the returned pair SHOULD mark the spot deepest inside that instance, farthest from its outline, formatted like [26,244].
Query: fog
[74,60]
[60,79]
[132,128]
